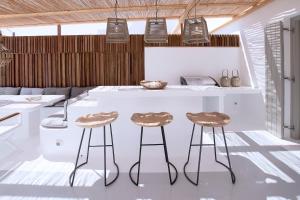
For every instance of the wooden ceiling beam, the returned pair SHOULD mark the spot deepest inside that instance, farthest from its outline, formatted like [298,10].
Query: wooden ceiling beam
[94,10]
[187,8]
[92,21]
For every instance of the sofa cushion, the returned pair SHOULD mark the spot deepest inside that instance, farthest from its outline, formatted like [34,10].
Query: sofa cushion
[58,91]
[31,91]
[58,115]
[9,90]
[75,91]
[60,103]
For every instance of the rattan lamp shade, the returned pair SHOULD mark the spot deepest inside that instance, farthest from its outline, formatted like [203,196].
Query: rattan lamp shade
[195,31]
[156,31]
[6,56]
[117,30]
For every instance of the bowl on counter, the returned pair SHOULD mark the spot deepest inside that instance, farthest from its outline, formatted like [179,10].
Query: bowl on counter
[153,85]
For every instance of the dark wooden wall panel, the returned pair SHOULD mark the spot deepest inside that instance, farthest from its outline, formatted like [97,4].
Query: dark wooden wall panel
[61,61]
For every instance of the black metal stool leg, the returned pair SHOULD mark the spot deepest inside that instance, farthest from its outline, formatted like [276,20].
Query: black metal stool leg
[215,145]
[113,152]
[200,152]
[188,160]
[104,140]
[227,154]
[167,158]
[138,162]
[113,148]
[228,158]
[89,144]
[72,175]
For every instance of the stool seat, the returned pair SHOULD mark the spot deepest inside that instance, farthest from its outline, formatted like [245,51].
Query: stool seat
[152,119]
[96,120]
[209,119]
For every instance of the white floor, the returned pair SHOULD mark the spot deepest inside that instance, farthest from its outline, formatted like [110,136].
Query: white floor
[265,168]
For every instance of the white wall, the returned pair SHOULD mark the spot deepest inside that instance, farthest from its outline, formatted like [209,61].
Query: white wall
[169,63]
[274,11]
[251,30]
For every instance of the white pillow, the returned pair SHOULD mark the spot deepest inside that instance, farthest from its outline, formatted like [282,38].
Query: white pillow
[54,122]
[31,91]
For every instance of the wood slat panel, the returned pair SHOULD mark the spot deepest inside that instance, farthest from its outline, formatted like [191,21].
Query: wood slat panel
[61,61]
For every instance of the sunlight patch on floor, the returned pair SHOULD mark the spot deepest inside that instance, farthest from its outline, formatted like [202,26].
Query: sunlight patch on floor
[290,158]
[264,138]
[232,139]
[207,199]
[265,165]
[38,198]
[44,172]
[277,198]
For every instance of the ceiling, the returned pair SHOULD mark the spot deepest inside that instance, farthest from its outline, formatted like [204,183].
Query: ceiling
[42,12]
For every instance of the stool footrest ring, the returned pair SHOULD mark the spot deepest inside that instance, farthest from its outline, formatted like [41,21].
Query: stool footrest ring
[233,179]
[138,163]
[137,182]
[231,172]
[77,166]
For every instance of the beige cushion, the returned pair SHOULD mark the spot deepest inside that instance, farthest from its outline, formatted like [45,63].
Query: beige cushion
[31,91]
[210,119]
[75,91]
[9,90]
[58,91]
[152,119]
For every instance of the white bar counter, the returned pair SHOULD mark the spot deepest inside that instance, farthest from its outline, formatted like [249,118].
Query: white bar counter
[173,91]
[169,91]
[176,100]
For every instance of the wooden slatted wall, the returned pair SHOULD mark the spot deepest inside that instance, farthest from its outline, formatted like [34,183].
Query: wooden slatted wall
[59,61]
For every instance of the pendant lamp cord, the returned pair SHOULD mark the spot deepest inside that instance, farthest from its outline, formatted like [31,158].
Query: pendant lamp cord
[195,8]
[156,9]
[116,7]
[1,38]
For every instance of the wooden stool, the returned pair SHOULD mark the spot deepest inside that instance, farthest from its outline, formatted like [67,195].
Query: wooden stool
[91,121]
[208,119]
[153,120]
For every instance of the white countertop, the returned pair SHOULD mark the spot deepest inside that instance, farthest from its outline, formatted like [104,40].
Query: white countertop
[20,103]
[169,91]
[44,101]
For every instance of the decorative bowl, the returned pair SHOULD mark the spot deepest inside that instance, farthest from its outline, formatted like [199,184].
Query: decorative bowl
[153,85]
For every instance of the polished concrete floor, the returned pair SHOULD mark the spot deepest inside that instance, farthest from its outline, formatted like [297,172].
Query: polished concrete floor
[265,167]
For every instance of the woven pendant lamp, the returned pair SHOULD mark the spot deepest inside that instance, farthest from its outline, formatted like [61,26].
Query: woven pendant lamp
[156,30]
[6,55]
[117,29]
[195,30]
